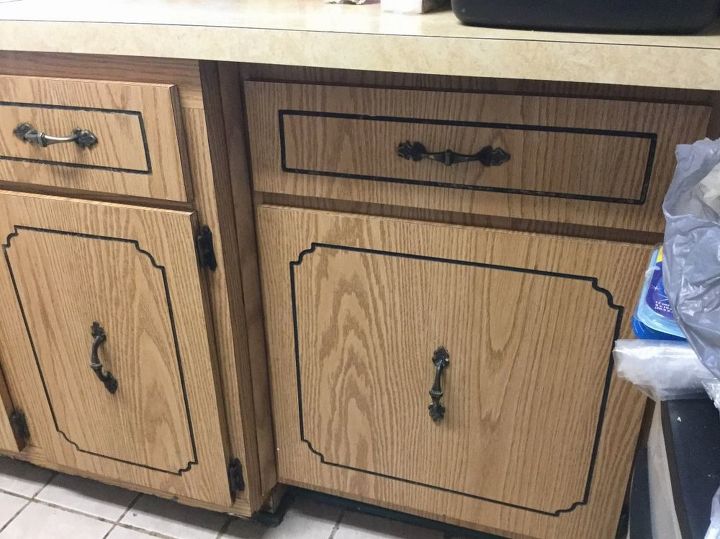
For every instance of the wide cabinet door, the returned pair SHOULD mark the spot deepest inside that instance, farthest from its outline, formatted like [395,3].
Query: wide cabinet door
[455,372]
[104,321]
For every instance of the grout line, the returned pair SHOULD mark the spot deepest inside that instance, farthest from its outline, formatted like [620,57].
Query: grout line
[130,506]
[224,527]
[146,532]
[2,528]
[28,502]
[336,527]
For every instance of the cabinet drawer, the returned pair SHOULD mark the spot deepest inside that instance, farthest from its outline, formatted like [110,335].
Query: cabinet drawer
[137,149]
[537,435]
[585,161]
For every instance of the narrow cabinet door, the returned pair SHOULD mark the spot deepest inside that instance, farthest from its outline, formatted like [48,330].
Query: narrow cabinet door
[459,372]
[10,440]
[114,314]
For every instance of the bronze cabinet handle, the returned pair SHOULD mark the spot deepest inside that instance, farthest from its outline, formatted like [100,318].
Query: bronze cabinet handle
[106,377]
[440,359]
[27,133]
[488,156]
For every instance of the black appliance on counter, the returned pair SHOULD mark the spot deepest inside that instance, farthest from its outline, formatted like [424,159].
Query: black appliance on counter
[621,16]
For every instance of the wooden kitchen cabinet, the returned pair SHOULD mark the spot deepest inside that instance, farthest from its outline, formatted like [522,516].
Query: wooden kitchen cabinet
[11,424]
[533,434]
[117,287]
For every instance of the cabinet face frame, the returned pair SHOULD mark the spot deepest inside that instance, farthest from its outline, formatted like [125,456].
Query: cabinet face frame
[165,239]
[288,236]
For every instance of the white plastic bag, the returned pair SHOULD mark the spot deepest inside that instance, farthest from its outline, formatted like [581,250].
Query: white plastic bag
[691,269]
[663,370]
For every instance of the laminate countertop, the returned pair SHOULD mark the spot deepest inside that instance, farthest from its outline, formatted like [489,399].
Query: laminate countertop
[313,33]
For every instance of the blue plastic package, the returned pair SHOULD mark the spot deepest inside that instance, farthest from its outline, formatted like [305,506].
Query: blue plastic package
[653,317]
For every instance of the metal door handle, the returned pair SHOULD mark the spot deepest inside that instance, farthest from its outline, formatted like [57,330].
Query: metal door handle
[27,133]
[106,377]
[440,359]
[488,156]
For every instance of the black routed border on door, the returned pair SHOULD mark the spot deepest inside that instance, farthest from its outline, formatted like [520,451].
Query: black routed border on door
[606,388]
[6,246]
[148,166]
[650,137]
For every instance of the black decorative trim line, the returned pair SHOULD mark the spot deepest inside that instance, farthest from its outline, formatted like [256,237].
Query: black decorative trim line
[650,137]
[603,403]
[148,165]
[6,246]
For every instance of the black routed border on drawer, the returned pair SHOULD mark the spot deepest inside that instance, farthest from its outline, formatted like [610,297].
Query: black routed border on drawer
[148,165]
[6,246]
[651,137]
[606,388]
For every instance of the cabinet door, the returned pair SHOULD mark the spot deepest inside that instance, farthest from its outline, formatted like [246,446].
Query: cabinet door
[114,314]
[9,439]
[532,433]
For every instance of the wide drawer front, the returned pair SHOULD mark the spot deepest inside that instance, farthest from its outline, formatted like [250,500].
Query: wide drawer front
[120,138]
[531,428]
[585,161]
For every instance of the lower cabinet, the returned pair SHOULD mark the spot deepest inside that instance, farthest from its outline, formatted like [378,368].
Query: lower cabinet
[458,373]
[105,344]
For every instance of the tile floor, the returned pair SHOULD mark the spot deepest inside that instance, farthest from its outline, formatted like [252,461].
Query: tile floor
[37,503]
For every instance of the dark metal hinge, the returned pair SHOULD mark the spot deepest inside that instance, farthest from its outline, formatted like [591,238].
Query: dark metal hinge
[205,249]
[235,476]
[18,421]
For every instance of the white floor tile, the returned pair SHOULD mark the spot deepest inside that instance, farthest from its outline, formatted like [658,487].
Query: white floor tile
[170,518]
[362,526]
[305,519]
[39,520]
[22,478]
[9,506]
[86,496]
[125,533]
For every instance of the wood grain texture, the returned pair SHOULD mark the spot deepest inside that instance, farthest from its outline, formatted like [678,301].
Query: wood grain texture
[223,93]
[182,73]
[65,283]
[554,163]
[8,440]
[210,184]
[529,355]
[138,340]
[140,149]
[559,163]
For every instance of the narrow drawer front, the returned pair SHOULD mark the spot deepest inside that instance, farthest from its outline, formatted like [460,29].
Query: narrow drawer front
[584,161]
[528,427]
[124,138]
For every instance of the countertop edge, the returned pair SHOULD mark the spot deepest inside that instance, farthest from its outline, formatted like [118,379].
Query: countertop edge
[636,65]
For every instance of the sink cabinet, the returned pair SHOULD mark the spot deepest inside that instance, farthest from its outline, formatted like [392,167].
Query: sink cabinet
[124,348]
[400,289]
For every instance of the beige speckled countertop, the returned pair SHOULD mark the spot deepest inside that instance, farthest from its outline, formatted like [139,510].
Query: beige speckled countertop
[311,33]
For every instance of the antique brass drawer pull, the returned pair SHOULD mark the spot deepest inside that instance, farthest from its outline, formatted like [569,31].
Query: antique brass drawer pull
[488,156]
[82,137]
[106,377]
[440,359]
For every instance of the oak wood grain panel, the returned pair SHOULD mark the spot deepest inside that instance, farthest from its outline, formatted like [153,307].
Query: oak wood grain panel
[670,123]
[233,197]
[524,390]
[92,278]
[554,163]
[168,237]
[125,128]
[182,73]
[8,440]
[140,149]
